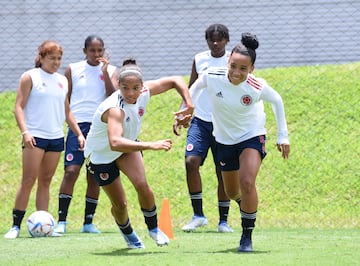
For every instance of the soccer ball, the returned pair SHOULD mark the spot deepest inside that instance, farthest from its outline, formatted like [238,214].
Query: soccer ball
[40,224]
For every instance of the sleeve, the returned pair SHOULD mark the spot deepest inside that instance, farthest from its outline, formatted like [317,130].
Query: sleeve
[197,86]
[268,94]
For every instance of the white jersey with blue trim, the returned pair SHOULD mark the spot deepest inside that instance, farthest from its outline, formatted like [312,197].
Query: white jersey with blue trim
[203,61]
[88,89]
[238,109]
[97,141]
[45,108]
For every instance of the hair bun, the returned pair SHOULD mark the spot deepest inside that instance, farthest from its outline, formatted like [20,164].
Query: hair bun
[129,61]
[249,40]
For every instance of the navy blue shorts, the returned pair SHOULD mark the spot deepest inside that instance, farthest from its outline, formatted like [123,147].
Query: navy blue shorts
[56,145]
[104,174]
[72,154]
[200,139]
[228,155]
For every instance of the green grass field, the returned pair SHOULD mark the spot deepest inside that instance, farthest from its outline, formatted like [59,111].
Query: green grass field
[206,247]
[309,205]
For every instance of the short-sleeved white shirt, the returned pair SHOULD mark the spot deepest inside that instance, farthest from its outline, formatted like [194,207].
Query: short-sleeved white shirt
[203,61]
[88,89]
[97,141]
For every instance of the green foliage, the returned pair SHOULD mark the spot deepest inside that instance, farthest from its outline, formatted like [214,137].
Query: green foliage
[318,186]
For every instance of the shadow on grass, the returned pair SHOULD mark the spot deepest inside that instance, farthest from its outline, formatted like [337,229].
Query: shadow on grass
[127,252]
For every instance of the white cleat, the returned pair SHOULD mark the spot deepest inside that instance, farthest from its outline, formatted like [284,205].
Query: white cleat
[196,221]
[13,233]
[159,236]
[223,227]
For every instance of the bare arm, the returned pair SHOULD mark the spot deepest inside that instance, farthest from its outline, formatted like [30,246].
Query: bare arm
[22,96]
[111,83]
[69,78]
[71,121]
[114,117]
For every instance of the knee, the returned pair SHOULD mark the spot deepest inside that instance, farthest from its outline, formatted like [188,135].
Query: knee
[71,174]
[192,163]
[247,185]
[119,208]
[233,194]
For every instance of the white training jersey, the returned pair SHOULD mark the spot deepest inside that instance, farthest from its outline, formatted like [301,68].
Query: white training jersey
[203,61]
[45,108]
[97,141]
[238,110]
[88,89]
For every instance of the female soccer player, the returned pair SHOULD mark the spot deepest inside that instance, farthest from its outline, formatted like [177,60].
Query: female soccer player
[199,136]
[40,110]
[112,146]
[236,98]
[90,82]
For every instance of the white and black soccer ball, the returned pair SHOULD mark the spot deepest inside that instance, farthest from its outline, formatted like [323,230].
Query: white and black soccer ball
[40,224]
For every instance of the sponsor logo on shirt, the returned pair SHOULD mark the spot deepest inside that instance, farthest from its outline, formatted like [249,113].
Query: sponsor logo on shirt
[219,94]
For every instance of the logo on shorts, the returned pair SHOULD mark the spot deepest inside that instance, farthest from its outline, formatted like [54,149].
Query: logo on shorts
[189,147]
[222,163]
[246,100]
[104,176]
[69,157]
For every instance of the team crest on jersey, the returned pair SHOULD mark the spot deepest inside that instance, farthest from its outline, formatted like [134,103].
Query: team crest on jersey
[69,157]
[101,77]
[246,100]
[61,86]
[104,176]
[189,147]
[141,111]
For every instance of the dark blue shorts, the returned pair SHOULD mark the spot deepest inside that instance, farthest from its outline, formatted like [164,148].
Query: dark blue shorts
[104,174]
[72,154]
[200,139]
[56,145]
[228,155]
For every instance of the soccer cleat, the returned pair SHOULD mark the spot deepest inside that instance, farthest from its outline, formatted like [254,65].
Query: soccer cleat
[60,228]
[133,241]
[89,228]
[196,221]
[13,233]
[54,234]
[159,236]
[245,244]
[223,227]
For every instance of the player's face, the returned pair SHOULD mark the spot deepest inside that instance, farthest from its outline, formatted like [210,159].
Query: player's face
[93,52]
[239,67]
[51,62]
[217,44]
[130,87]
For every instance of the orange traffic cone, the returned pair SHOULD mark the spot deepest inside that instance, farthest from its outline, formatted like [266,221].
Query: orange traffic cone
[165,219]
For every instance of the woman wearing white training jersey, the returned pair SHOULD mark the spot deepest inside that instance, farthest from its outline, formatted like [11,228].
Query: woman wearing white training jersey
[112,146]
[90,82]
[40,110]
[238,117]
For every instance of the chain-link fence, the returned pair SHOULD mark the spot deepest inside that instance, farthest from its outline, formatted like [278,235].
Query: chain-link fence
[165,35]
